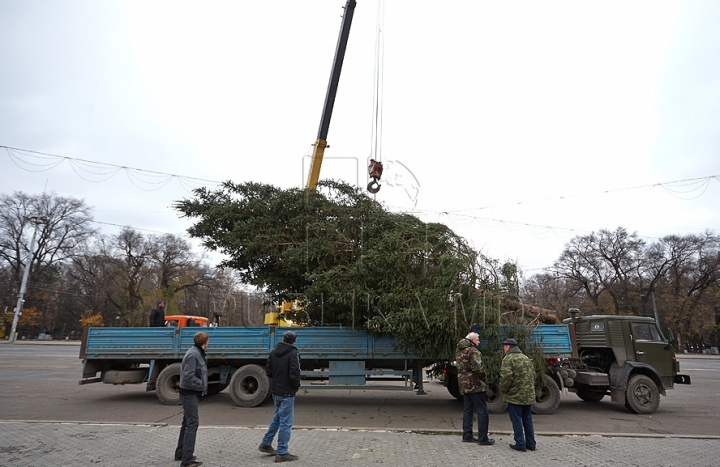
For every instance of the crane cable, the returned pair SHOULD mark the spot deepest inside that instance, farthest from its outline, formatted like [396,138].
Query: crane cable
[376,132]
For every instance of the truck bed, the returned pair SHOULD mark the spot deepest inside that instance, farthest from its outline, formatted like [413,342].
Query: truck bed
[319,344]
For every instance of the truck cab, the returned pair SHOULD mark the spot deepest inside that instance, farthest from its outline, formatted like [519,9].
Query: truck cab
[627,357]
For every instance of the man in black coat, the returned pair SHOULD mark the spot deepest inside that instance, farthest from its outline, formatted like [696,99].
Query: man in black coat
[283,367]
[157,316]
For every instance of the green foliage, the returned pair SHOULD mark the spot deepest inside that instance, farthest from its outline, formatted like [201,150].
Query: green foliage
[493,352]
[349,260]
[353,263]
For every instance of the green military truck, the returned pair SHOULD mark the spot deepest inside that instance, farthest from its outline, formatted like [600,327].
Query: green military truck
[625,357]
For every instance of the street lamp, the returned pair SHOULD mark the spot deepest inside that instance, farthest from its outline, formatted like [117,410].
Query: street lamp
[23,287]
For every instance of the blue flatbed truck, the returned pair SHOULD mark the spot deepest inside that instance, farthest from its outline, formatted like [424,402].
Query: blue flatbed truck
[338,357]
[625,357]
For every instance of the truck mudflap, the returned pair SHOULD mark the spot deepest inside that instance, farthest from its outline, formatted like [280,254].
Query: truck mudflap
[682,379]
[619,376]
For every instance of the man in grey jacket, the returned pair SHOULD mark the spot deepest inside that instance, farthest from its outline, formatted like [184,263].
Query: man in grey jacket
[193,385]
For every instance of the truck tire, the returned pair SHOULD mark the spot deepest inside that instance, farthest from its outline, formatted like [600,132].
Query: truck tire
[590,395]
[249,386]
[642,395]
[453,387]
[168,385]
[548,399]
[493,400]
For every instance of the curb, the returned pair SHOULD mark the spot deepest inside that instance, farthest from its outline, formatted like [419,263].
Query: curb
[419,431]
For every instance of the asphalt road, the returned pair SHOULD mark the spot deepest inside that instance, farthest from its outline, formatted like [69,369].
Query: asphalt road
[38,382]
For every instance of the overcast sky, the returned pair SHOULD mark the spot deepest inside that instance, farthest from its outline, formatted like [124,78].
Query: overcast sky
[518,124]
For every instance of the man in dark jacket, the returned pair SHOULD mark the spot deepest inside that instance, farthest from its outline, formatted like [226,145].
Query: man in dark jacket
[157,316]
[193,385]
[517,384]
[283,367]
[472,385]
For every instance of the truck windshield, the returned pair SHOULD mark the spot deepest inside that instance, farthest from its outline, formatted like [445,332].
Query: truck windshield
[646,332]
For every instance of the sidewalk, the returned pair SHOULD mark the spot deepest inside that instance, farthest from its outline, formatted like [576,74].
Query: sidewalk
[39,444]
[37,342]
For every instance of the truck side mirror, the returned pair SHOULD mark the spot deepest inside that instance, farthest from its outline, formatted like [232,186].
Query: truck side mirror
[671,339]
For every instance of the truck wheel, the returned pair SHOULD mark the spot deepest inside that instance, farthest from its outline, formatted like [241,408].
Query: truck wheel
[590,395]
[168,385]
[453,387]
[493,399]
[548,399]
[249,386]
[642,395]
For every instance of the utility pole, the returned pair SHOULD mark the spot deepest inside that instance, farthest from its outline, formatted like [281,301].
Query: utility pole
[23,287]
[655,310]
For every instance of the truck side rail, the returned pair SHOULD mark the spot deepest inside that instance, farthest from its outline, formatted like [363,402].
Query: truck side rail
[247,343]
[240,343]
[131,343]
[552,339]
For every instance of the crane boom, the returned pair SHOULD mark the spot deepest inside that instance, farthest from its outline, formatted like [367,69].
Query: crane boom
[321,142]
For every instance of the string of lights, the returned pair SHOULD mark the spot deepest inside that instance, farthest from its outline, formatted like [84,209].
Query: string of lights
[675,187]
[98,172]
[35,161]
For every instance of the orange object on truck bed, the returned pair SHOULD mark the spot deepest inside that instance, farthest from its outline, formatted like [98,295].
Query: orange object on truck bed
[182,321]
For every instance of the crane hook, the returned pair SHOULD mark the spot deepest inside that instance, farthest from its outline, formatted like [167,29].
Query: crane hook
[375,170]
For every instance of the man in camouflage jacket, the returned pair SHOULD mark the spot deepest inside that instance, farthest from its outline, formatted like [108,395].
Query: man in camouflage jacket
[517,384]
[472,385]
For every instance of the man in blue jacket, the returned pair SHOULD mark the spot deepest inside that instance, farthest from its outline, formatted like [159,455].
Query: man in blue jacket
[283,367]
[193,385]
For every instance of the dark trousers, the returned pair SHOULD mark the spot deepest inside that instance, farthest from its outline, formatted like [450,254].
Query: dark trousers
[521,418]
[474,403]
[188,429]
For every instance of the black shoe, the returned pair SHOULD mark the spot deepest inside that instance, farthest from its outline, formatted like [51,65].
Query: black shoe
[192,464]
[516,448]
[531,448]
[286,458]
[191,459]
[489,442]
[470,440]
[267,449]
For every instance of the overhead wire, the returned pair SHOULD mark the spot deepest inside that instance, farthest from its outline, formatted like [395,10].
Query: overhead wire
[24,158]
[16,154]
[702,182]
[510,224]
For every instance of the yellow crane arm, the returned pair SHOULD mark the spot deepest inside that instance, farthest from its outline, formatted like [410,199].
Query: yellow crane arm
[321,142]
[315,163]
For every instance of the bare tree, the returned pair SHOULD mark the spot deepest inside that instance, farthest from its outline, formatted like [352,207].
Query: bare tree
[91,278]
[550,290]
[691,285]
[615,272]
[176,267]
[63,225]
[132,256]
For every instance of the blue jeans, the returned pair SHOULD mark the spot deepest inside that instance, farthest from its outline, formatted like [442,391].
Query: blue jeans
[281,423]
[521,418]
[188,430]
[474,403]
